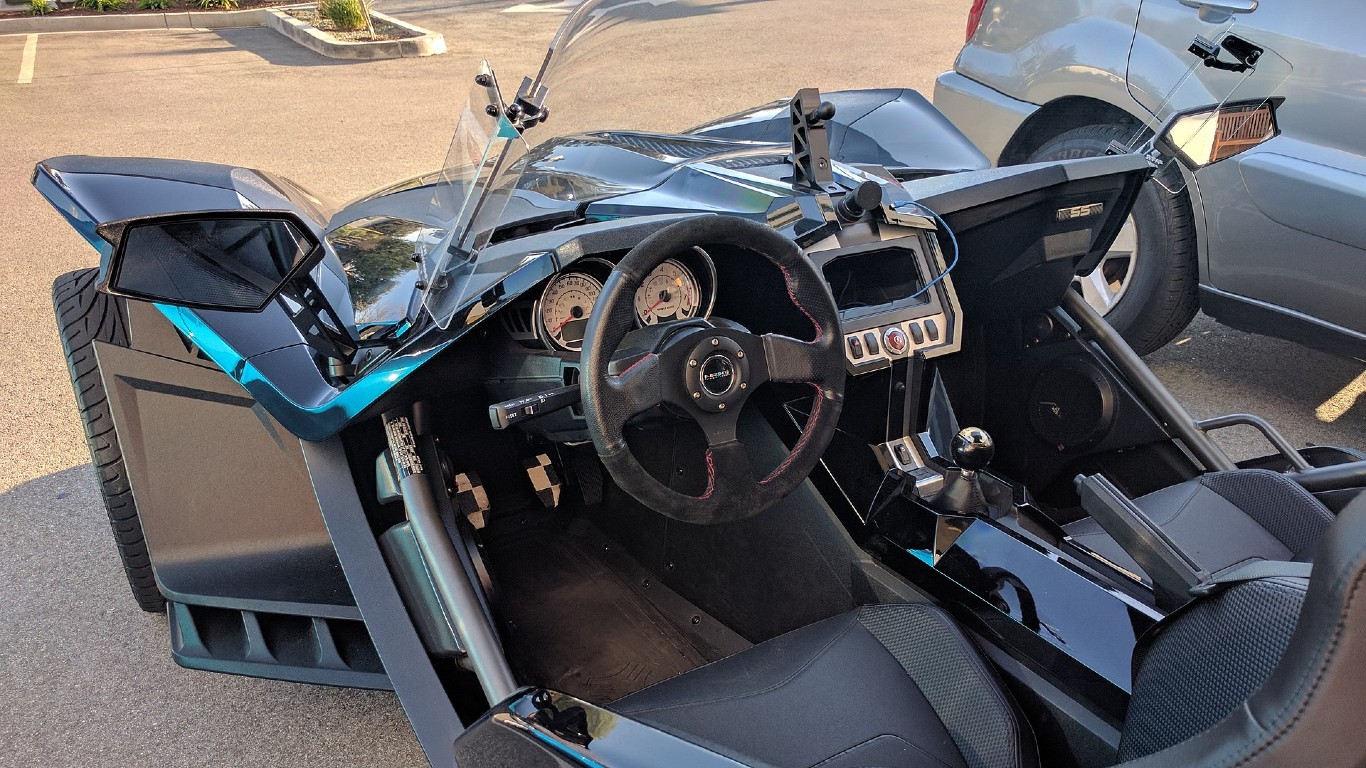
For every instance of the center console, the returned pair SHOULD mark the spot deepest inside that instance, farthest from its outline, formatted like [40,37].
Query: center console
[894,295]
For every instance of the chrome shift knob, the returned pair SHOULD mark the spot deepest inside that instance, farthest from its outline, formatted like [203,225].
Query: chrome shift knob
[973,448]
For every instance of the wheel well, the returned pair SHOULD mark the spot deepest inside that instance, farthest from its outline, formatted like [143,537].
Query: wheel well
[1057,117]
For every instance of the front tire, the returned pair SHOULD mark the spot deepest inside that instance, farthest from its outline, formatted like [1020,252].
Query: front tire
[1147,285]
[84,316]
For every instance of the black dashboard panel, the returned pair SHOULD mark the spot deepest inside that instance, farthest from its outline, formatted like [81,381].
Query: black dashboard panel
[894,298]
[865,279]
[1025,231]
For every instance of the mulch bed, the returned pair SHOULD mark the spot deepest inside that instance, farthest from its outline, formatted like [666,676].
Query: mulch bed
[130,7]
[383,30]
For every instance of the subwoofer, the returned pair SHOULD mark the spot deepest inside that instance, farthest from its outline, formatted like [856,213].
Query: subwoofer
[1072,403]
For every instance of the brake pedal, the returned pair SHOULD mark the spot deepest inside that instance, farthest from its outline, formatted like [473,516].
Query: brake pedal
[541,470]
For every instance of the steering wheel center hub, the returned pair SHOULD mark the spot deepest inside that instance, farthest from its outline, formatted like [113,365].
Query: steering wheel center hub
[717,373]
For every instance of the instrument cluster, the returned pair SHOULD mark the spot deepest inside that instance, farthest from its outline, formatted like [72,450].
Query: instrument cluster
[681,288]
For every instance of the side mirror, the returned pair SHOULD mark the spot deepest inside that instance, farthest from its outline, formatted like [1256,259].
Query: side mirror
[225,260]
[1203,136]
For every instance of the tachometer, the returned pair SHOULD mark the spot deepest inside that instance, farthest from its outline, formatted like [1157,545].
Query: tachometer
[670,292]
[565,307]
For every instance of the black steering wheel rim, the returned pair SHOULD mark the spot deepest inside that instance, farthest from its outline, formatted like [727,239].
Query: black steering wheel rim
[709,372]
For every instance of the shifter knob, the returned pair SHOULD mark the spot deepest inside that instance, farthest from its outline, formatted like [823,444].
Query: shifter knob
[973,449]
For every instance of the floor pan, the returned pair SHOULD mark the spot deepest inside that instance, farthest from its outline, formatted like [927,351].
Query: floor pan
[588,620]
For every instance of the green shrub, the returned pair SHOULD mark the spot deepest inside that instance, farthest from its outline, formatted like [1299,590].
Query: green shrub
[38,7]
[347,15]
[226,5]
[100,5]
[154,5]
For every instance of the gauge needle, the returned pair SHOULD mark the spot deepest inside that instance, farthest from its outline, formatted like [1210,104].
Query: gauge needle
[563,323]
[663,297]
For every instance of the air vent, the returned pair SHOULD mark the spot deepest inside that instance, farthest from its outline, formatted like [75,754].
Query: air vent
[517,321]
[749,161]
[670,147]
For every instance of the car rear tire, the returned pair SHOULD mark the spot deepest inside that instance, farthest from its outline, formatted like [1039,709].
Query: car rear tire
[1147,286]
[84,316]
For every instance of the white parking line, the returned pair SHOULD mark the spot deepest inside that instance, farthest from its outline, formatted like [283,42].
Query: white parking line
[563,6]
[1346,398]
[26,64]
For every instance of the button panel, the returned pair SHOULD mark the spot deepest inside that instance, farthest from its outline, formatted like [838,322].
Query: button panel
[872,348]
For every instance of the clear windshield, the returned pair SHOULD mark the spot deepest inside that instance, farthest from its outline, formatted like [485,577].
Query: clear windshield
[642,72]
[486,143]
[659,66]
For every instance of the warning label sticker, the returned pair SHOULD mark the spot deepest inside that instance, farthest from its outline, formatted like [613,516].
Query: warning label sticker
[403,447]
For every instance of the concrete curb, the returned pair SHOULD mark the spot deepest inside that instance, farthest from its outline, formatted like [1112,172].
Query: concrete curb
[427,43]
[252,17]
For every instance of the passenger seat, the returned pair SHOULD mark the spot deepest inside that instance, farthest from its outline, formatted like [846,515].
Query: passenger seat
[1223,519]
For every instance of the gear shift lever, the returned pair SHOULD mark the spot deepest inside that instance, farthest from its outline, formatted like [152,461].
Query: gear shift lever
[962,494]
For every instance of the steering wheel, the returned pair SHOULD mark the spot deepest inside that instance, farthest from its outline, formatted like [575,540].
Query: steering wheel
[708,370]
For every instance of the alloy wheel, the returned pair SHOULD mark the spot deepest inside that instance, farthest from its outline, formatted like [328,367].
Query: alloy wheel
[1104,286]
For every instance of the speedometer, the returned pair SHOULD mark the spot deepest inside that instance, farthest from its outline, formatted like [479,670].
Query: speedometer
[670,292]
[565,308]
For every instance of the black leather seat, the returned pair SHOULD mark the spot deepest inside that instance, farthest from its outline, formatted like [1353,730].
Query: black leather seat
[1223,519]
[888,685]
[1263,674]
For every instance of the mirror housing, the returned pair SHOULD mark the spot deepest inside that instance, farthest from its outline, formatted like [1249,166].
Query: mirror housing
[1206,135]
[234,260]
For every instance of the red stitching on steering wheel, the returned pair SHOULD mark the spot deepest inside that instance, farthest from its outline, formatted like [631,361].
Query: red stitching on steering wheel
[633,365]
[711,476]
[801,442]
[792,296]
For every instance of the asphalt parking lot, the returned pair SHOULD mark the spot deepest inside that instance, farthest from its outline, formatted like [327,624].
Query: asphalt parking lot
[85,677]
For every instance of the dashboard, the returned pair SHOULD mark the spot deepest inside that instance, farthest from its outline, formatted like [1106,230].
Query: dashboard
[888,282]
[681,288]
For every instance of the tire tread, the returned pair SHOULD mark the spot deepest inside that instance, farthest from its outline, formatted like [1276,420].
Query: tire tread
[84,316]
[1174,298]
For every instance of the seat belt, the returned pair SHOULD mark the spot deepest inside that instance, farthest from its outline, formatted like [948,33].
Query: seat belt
[1257,569]
[1229,577]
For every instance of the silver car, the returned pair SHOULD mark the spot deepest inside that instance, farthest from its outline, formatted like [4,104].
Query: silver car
[1269,235]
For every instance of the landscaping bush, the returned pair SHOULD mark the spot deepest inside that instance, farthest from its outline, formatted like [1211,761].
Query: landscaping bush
[38,7]
[154,5]
[347,15]
[100,5]
[226,5]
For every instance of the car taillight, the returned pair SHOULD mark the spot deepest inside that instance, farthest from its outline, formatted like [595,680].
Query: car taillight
[1207,137]
[974,18]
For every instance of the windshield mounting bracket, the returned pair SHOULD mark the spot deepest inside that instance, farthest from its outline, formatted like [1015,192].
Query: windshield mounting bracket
[810,144]
[528,108]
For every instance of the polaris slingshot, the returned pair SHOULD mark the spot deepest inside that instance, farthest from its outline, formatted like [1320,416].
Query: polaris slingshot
[777,441]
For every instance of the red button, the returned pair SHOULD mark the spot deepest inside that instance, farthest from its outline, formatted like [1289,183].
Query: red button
[894,340]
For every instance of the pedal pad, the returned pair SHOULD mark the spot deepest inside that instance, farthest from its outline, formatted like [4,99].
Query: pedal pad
[544,479]
[471,500]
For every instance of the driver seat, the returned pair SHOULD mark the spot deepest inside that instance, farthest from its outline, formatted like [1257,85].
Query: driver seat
[1262,673]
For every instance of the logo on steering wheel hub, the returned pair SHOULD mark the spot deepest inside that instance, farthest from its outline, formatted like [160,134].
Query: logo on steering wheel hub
[717,375]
